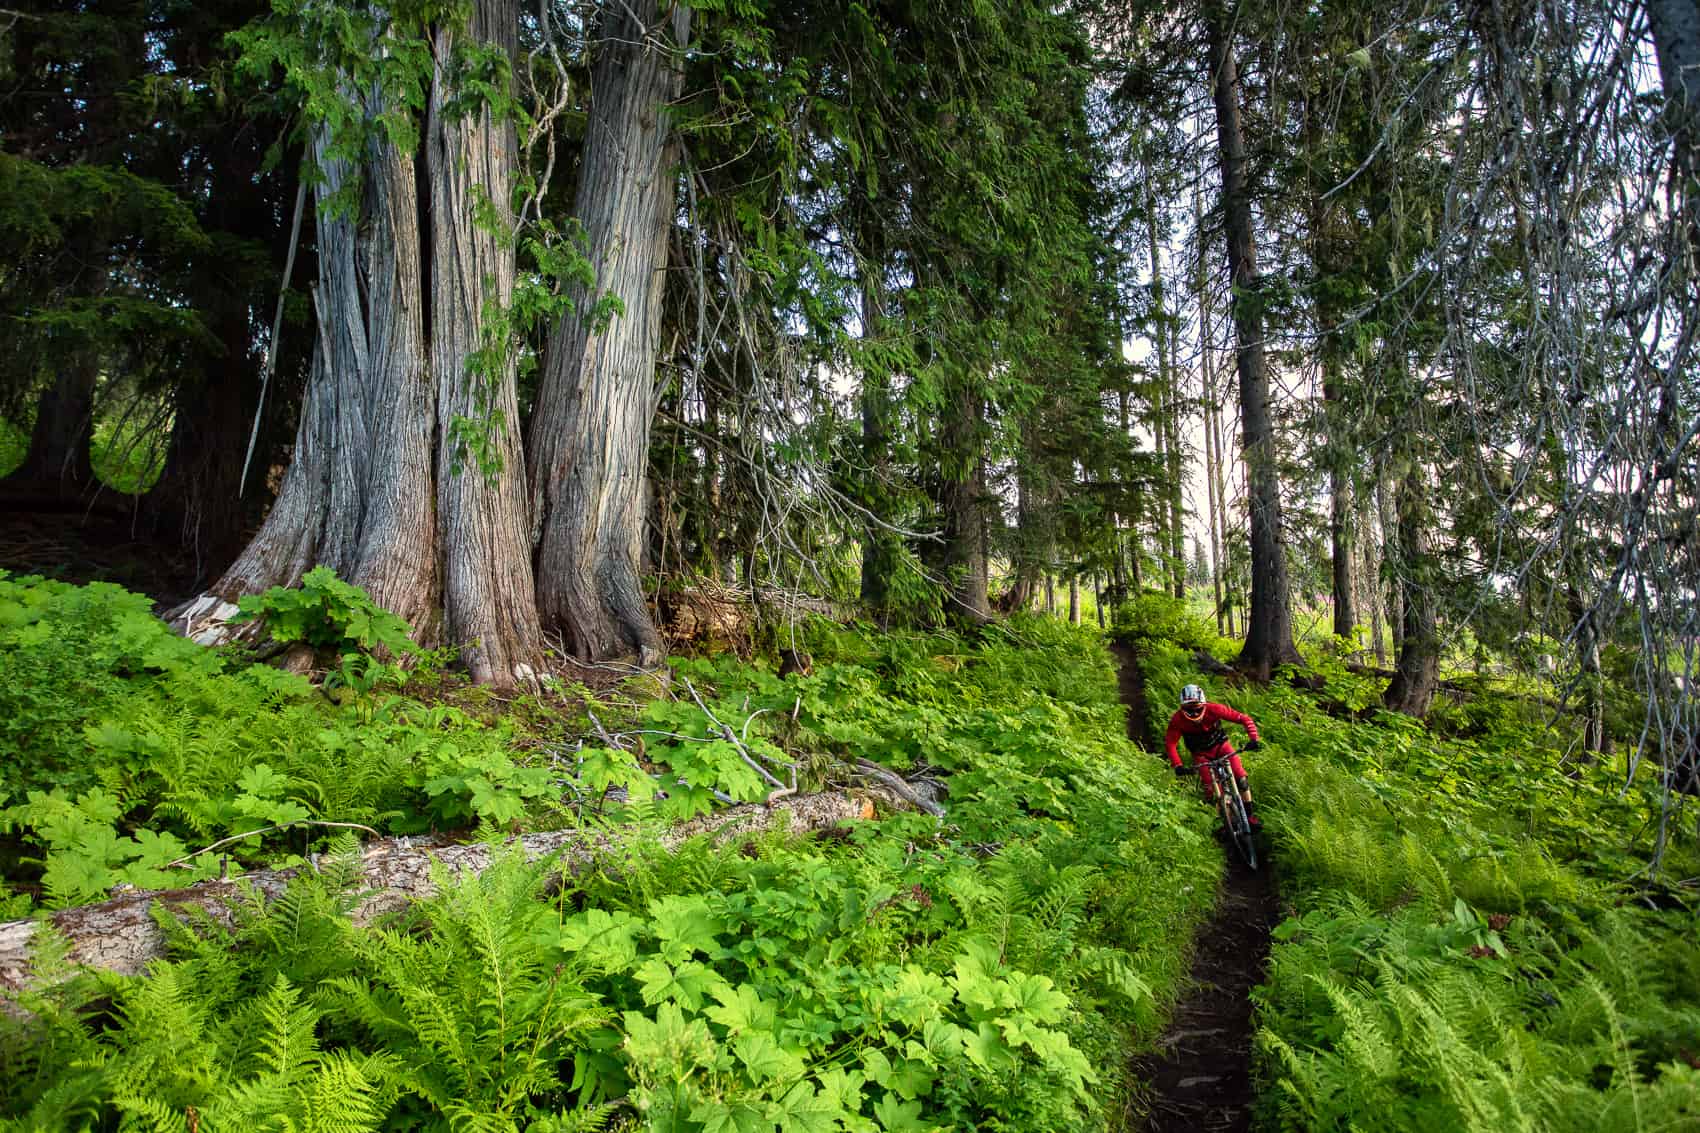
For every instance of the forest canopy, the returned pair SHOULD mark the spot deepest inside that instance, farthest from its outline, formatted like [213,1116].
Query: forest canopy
[529,320]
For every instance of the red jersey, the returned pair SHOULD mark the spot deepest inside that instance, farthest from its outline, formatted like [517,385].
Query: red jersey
[1205,734]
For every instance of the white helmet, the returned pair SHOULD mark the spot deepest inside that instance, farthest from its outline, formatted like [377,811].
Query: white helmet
[1191,694]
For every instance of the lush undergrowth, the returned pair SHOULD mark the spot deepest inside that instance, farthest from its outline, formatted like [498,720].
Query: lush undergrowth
[1470,948]
[983,971]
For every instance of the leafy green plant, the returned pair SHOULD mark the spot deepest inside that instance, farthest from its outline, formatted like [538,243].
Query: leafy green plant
[1154,616]
[904,974]
[334,616]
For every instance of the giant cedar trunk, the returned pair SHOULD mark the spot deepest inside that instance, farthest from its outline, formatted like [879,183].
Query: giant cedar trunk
[356,496]
[589,445]
[401,445]
[1269,630]
[487,579]
[1417,672]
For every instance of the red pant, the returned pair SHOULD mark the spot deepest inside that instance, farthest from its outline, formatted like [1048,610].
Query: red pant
[1201,761]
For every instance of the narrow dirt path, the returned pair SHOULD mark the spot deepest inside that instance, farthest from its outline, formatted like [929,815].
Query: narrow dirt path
[1200,1071]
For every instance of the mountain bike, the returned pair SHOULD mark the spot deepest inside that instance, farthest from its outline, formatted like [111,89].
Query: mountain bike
[1232,810]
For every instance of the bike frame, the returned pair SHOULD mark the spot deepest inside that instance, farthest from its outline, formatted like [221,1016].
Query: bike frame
[1231,808]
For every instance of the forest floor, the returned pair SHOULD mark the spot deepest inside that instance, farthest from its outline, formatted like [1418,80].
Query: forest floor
[1199,1075]
[78,544]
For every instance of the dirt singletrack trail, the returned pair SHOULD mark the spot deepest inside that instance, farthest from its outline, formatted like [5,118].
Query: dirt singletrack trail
[1199,1075]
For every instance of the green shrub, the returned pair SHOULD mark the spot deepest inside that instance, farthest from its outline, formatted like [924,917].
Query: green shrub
[978,972]
[336,617]
[1154,616]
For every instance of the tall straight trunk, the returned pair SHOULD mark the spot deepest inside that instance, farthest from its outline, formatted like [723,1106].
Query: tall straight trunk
[962,501]
[1160,446]
[1339,500]
[1337,448]
[487,578]
[1269,631]
[1386,515]
[1370,574]
[1133,536]
[1210,504]
[1416,674]
[1207,376]
[879,549]
[1168,418]
[1220,434]
[589,445]
[1073,597]
[1098,597]
[1177,512]
[1050,593]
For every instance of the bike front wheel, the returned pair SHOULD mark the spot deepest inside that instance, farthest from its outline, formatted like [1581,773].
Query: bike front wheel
[1238,823]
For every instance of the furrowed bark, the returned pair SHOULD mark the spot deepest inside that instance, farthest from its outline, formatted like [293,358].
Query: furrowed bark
[356,496]
[588,451]
[487,579]
[395,558]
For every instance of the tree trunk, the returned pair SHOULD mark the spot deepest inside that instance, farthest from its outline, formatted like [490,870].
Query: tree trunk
[1073,598]
[1417,672]
[487,581]
[1167,427]
[1269,632]
[1220,434]
[589,444]
[58,458]
[879,546]
[1339,501]
[357,495]
[1371,574]
[962,501]
[1676,39]
[369,492]
[1386,517]
[1207,375]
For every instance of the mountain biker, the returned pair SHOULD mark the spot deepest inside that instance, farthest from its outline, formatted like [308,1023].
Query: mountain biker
[1199,723]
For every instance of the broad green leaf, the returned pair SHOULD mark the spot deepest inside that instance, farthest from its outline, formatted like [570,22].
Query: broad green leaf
[761,1053]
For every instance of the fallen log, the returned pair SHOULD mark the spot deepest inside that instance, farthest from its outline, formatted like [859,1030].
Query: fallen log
[121,936]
